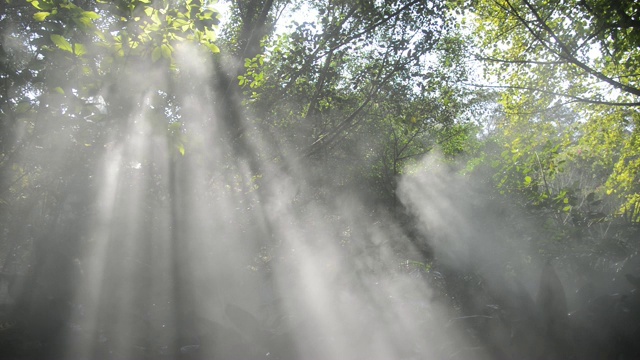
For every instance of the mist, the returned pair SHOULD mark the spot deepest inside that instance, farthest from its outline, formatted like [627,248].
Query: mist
[188,253]
[172,222]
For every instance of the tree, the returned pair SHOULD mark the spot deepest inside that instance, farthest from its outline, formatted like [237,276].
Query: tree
[572,50]
[70,87]
[565,68]
[358,81]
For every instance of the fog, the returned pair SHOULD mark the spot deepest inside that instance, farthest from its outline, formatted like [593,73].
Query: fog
[193,253]
[184,244]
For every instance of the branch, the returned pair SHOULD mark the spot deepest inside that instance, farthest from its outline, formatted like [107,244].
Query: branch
[316,146]
[525,23]
[430,148]
[316,96]
[576,98]
[544,177]
[420,153]
[330,137]
[567,54]
[374,25]
[316,53]
[484,58]
[406,145]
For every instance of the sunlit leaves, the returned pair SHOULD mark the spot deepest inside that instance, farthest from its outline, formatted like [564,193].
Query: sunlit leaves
[79,49]
[83,47]
[254,76]
[90,15]
[61,43]
[161,26]
[177,138]
[41,15]
[180,147]
[147,29]
[558,61]
[563,48]
[64,12]
[213,48]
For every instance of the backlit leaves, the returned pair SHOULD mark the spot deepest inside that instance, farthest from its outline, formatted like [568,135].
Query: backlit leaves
[61,43]
[41,15]
[147,29]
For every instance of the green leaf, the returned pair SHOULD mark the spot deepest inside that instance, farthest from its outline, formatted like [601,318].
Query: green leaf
[83,22]
[79,49]
[527,180]
[155,18]
[166,51]
[35,4]
[214,49]
[61,43]
[180,22]
[41,15]
[59,90]
[91,15]
[156,54]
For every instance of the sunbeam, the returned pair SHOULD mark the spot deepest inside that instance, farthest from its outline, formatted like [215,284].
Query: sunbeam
[317,180]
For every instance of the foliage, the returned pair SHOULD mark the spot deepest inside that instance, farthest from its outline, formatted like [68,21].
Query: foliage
[378,82]
[570,50]
[363,89]
[578,55]
[70,84]
[567,119]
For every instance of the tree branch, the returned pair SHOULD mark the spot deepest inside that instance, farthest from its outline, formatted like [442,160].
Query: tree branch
[567,54]
[374,25]
[316,53]
[576,98]
[533,62]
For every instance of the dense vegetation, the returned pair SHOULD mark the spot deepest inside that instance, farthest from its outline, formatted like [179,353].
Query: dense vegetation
[151,120]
